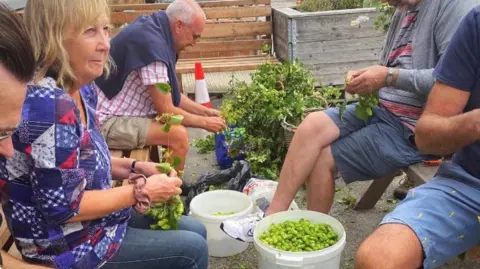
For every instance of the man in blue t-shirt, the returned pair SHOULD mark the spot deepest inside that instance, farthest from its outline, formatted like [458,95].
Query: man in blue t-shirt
[440,219]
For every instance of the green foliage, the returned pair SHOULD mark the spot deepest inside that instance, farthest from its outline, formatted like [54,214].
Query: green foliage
[205,145]
[324,5]
[277,91]
[166,214]
[382,22]
[163,87]
[365,104]
[168,119]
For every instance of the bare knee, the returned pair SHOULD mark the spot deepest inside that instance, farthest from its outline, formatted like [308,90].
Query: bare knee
[179,138]
[318,125]
[326,160]
[391,246]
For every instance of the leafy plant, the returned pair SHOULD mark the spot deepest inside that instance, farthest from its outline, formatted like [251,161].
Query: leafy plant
[364,109]
[382,22]
[324,5]
[206,144]
[166,214]
[277,91]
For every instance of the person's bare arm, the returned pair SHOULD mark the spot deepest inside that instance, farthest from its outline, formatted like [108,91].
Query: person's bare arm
[443,128]
[99,203]
[193,107]
[163,104]
[121,168]
[10,262]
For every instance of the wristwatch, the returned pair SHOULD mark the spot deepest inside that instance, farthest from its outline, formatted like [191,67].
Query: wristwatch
[389,79]
[132,170]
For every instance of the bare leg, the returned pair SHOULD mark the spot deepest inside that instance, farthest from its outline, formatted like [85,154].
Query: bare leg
[315,133]
[176,140]
[321,184]
[391,246]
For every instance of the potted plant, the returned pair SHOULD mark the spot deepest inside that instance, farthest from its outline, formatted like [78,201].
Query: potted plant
[330,37]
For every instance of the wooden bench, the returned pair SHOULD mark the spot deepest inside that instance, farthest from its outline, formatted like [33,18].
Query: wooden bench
[419,173]
[6,239]
[235,33]
[146,154]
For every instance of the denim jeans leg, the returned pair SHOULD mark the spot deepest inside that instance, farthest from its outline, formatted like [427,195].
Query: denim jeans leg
[152,249]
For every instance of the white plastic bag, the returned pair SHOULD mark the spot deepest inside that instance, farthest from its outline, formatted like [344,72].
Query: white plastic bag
[257,189]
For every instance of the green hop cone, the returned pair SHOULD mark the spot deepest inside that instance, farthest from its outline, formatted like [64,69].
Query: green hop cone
[164,167]
[176,120]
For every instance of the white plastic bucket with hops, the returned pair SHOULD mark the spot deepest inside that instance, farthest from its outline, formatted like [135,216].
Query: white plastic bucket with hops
[271,258]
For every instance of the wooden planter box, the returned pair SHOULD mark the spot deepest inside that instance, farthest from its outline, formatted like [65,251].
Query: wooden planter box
[326,42]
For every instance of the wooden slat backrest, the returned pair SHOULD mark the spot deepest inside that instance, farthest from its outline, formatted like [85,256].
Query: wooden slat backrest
[121,17]
[234,28]
[203,4]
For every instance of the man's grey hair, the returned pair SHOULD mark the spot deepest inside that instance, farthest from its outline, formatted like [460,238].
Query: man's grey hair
[184,10]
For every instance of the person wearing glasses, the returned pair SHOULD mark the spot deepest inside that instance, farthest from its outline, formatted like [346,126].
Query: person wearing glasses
[146,53]
[17,65]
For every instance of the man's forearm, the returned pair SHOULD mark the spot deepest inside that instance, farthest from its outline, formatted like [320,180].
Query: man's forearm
[189,119]
[443,136]
[192,107]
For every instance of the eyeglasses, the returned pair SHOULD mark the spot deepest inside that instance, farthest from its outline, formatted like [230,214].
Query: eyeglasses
[7,134]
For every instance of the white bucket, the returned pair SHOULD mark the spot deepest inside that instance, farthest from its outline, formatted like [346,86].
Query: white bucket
[271,258]
[204,205]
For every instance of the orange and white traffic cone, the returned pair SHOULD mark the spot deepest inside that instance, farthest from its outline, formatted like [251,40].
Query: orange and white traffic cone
[201,92]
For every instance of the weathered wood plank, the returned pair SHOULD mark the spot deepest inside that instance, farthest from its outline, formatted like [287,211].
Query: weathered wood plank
[141,154]
[234,45]
[225,65]
[5,235]
[237,29]
[421,174]
[332,46]
[374,192]
[341,57]
[204,4]
[211,13]
[214,30]
[281,48]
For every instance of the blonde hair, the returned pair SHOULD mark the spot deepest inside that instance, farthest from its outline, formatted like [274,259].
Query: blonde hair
[48,21]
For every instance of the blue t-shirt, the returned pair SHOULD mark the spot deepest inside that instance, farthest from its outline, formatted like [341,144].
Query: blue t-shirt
[460,68]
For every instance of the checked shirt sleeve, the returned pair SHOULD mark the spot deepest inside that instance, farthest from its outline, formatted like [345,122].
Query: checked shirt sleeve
[51,136]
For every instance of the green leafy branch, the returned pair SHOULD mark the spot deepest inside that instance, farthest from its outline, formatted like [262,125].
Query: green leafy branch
[166,214]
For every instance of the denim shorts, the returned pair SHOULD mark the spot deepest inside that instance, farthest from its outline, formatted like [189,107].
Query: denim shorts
[444,214]
[371,149]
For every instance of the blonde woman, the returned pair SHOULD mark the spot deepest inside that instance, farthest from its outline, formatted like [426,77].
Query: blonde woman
[61,208]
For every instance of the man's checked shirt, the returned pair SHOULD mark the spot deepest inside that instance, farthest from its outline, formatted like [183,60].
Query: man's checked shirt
[134,99]
[56,160]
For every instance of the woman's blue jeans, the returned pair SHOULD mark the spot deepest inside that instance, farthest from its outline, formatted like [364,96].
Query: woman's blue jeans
[144,248]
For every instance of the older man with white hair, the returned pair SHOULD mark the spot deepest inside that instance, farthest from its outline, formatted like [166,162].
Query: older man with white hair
[146,52]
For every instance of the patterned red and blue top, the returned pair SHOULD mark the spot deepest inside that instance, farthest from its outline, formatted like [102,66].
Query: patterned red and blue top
[56,160]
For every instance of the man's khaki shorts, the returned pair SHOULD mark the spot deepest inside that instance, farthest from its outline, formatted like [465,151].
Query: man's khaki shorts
[126,132]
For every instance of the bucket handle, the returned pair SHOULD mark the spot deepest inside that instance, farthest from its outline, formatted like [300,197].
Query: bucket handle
[289,261]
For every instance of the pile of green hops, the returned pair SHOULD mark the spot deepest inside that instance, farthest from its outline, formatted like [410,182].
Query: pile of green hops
[166,214]
[299,236]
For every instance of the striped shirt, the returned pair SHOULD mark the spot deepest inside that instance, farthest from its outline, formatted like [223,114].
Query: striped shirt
[134,99]
[402,103]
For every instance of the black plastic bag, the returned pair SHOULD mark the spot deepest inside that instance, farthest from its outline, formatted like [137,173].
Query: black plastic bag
[236,177]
